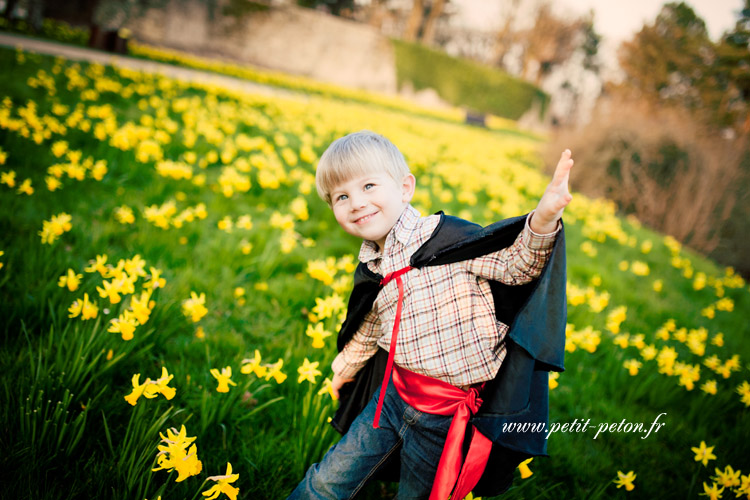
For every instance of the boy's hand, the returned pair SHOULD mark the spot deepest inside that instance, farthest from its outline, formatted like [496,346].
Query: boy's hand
[555,198]
[337,383]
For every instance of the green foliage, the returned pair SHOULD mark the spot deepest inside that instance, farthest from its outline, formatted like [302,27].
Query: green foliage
[68,431]
[52,29]
[466,83]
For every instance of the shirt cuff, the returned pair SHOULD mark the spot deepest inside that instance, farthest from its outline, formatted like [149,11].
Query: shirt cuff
[537,241]
[343,369]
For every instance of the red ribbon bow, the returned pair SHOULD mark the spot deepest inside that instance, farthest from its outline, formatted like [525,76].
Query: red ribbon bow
[456,475]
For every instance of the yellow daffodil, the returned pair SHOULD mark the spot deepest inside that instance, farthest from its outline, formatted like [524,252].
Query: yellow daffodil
[245,222]
[327,389]
[299,208]
[709,387]
[553,376]
[321,270]
[160,385]
[632,365]
[274,372]
[317,333]
[175,455]
[224,378]
[254,366]
[110,291]
[55,227]
[524,469]
[223,485]
[713,492]
[327,307]
[155,280]
[308,371]
[744,391]
[26,188]
[125,325]
[703,453]
[84,308]
[124,215]
[8,178]
[142,306]
[138,389]
[98,265]
[625,480]
[728,478]
[71,280]
[194,307]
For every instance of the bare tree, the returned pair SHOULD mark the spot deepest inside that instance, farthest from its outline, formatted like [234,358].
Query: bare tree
[414,22]
[436,11]
[551,41]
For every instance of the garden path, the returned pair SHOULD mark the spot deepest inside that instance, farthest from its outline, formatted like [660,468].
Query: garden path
[177,72]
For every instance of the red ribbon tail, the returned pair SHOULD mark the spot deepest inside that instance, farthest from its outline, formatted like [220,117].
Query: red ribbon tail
[392,350]
[476,461]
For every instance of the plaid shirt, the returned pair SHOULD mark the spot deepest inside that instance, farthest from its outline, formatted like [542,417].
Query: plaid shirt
[448,328]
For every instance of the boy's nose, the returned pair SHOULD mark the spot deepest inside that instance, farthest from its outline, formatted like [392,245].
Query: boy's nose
[358,202]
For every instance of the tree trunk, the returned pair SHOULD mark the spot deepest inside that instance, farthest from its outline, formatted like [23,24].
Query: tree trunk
[10,6]
[414,22]
[430,25]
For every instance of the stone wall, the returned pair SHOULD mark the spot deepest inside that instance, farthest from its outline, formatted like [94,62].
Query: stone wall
[285,38]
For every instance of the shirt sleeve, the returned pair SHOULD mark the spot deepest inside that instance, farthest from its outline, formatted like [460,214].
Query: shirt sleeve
[362,346]
[518,264]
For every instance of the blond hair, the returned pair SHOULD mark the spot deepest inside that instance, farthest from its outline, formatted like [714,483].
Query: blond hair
[356,154]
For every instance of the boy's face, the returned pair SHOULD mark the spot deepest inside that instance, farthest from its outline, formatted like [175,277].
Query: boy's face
[367,206]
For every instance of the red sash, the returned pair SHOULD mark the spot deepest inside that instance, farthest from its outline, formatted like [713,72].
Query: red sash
[456,475]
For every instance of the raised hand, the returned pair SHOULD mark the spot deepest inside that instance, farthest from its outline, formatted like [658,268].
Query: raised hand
[555,198]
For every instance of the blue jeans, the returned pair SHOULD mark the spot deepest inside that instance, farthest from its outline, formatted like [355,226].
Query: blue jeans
[352,462]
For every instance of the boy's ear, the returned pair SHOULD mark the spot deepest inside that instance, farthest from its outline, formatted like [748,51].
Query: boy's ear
[408,185]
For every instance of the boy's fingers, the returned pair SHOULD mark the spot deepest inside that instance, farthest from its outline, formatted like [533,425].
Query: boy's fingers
[562,172]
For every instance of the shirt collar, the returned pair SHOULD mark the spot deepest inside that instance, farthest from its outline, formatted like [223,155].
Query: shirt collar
[400,233]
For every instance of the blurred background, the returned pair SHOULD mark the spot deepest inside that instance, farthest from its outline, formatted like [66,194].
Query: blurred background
[652,98]
[182,136]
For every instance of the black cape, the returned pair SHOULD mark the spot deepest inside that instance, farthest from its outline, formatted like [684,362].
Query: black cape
[536,314]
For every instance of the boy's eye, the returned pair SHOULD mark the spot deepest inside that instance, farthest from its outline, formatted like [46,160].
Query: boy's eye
[341,197]
[369,185]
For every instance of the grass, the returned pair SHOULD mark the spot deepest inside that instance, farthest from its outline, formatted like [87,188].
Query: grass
[248,160]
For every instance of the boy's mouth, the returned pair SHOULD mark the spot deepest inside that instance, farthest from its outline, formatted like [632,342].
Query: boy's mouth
[364,218]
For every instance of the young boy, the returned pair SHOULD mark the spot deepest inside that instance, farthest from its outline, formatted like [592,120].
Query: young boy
[442,328]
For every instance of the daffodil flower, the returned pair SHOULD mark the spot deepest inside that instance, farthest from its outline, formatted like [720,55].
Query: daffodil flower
[703,453]
[194,307]
[223,485]
[125,325]
[142,306]
[224,378]
[327,389]
[98,266]
[308,371]
[317,333]
[155,280]
[713,492]
[71,280]
[632,365]
[625,480]
[254,366]
[110,291]
[175,455]
[274,372]
[523,468]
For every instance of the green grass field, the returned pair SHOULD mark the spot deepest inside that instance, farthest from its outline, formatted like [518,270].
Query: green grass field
[219,256]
